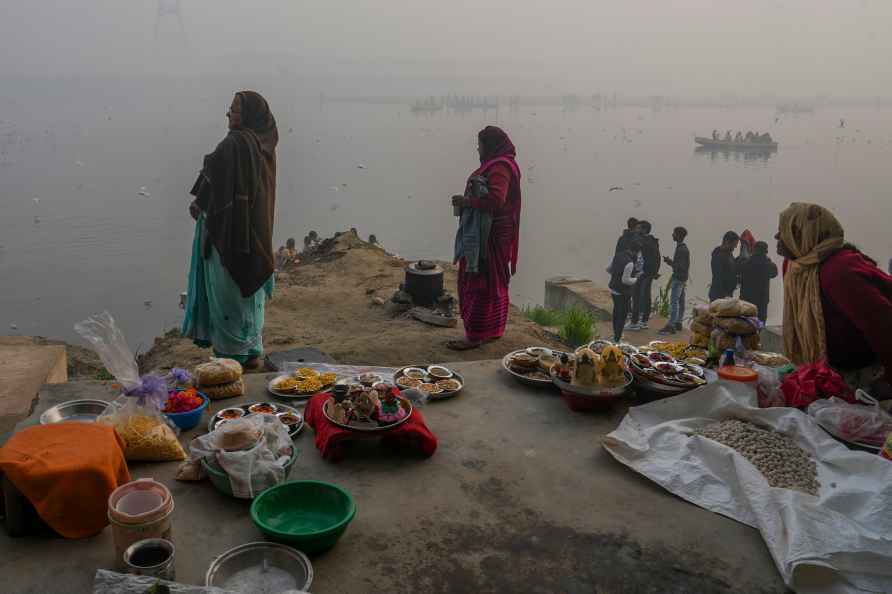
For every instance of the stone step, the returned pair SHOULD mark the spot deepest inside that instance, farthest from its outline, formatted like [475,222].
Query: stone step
[24,368]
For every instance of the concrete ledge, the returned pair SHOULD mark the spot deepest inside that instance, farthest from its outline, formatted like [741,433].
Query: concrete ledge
[773,339]
[565,292]
[27,367]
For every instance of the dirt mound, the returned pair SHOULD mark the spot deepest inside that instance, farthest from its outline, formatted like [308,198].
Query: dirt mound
[329,302]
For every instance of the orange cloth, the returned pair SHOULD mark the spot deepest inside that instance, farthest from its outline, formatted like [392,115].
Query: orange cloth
[67,471]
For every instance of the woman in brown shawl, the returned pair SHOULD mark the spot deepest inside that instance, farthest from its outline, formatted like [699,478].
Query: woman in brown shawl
[233,261]
[837,302]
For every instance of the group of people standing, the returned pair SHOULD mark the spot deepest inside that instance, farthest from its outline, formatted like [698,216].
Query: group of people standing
[636,264]
[751,270]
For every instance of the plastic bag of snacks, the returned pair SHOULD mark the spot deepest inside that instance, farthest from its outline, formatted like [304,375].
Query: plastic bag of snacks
[137,418]
[867,423]
[769,388]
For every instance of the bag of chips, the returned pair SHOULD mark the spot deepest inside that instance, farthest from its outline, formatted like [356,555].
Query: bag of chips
[136,415]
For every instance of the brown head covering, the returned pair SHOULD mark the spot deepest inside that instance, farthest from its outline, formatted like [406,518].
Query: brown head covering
[236,190]
[811,234]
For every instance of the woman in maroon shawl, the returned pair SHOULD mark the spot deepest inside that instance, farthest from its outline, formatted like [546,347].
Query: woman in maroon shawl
[483,295]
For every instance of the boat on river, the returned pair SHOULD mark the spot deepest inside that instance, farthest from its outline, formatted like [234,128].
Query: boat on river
[731,145]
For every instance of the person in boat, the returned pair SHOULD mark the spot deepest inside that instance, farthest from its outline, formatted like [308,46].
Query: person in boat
[728,136]
[738,137]
[715,134]
[483,284]
[749,136]
[837,301]
[231,274]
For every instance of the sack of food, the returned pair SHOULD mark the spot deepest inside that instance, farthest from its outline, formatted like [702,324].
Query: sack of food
[722,341]
[739,326]
[698,326]
[136,415]
[217,372]
[700,340]
[701,312]
[221,391]
[753,342]
[731,307]
[867,423]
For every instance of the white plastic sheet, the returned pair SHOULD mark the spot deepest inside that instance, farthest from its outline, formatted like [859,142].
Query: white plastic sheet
[836,543]
[110,582]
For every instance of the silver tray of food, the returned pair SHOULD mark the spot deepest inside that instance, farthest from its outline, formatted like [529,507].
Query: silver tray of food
[300,384]
[595,391]
[437,381]
[75,410]
[288,415]
[261,567]
[660,373]
[368,422]
[531,366]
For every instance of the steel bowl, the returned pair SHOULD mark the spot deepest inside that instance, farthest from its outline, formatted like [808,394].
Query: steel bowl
[252,567]
[75,410]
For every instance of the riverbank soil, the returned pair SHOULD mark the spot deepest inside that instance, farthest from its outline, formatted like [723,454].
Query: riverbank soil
[519,497]
[332,302]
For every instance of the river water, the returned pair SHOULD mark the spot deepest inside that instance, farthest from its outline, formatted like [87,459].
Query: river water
[110,165]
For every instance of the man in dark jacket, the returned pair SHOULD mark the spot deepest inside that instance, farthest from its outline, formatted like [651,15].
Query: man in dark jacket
[724,268]
[630,231]
[681,266]
[641,297]
[622,284]
[755,278]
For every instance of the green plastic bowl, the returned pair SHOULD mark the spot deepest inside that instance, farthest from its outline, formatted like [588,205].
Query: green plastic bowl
[308,515]
[220,479]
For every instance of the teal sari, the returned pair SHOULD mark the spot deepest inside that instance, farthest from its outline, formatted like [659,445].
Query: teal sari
[216,313]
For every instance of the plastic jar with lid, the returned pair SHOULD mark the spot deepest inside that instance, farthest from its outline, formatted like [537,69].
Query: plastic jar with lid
[736,376]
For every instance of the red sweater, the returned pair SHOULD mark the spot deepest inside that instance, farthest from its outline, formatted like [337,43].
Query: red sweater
[857,300]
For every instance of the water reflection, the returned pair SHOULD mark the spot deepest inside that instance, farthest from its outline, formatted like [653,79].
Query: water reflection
[749,155]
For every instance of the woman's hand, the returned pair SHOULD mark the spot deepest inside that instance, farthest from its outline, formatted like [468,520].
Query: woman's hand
[194,210]
[461,201]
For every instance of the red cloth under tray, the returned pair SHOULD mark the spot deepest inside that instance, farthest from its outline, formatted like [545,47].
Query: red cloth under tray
[331,439]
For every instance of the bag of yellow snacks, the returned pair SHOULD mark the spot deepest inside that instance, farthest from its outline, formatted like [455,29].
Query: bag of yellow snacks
[136,414]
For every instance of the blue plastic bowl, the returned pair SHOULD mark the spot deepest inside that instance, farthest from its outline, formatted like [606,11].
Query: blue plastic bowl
[189,419]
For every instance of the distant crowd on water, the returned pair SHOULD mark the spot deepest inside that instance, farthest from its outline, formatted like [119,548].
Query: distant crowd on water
[749,138]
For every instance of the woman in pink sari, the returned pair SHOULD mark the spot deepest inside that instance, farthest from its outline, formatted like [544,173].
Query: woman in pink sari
[483,295]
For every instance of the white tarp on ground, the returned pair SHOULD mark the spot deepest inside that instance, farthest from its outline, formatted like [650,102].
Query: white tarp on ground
[837,543]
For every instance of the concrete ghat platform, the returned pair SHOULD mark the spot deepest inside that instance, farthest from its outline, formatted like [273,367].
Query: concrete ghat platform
[26,368]
[519,497]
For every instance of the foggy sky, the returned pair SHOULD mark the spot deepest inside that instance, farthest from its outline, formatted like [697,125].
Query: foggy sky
[682,47]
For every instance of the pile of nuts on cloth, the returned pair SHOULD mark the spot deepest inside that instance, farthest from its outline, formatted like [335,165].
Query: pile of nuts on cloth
[783,463]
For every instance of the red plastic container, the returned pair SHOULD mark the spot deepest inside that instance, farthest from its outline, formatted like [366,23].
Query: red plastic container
[583,403]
